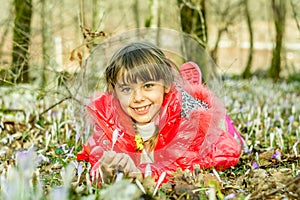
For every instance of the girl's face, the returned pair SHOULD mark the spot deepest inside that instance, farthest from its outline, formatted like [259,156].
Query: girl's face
[142,100]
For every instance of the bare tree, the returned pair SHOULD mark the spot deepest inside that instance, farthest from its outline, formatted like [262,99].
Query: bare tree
[279,13]
[149,17]
[154,14]
[227,13]
[247,71]
[193,19]
[21,40]
[7,28]
[95,13]
[135,9]
[193,22]
[295,14]
[47,40]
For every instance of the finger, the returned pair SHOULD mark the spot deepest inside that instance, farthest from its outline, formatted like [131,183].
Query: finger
[116,160]
[108,156]
[106,169]
[135,172]
[107,173]
[130,166]
[124,162]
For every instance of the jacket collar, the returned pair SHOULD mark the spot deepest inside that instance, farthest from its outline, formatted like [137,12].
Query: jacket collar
[108,114]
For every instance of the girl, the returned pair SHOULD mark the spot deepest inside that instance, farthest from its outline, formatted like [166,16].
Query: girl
[152,121]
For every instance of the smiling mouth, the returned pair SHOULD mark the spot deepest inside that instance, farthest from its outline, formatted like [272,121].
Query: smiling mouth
[142,110]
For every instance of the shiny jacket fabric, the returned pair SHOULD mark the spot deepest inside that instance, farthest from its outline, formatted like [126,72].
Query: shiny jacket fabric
[183,142]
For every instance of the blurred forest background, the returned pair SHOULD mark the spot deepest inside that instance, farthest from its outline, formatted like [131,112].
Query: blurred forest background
[39,37]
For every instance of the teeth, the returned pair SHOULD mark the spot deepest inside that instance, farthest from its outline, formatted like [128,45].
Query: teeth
[142,108]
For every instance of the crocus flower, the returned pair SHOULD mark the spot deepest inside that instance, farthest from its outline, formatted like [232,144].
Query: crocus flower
[230,196]
[277,155]
[291,118]
[255,165]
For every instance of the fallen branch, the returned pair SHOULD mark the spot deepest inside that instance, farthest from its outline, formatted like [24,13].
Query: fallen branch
[12,110]
[260,196]
[285,186]
[49,108]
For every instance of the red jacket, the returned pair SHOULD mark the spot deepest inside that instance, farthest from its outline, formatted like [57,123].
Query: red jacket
[182,141]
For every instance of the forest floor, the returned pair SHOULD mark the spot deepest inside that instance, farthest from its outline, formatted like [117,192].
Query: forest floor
[41,132]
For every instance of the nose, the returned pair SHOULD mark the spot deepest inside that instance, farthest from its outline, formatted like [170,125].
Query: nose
[138,95]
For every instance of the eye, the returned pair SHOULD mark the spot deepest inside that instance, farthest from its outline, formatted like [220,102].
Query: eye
[126,90]
[148,85]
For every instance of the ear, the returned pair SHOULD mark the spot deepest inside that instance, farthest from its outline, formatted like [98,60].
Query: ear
[167,90]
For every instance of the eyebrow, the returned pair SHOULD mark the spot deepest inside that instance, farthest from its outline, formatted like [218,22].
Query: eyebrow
[120,85]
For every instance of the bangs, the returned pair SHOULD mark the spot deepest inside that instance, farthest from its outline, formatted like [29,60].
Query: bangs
[144,73]
[139,62]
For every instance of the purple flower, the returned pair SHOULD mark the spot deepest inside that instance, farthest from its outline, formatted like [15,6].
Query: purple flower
[255,165]
[277,155]
[230,196]
[27,160]
[43,158]
[79,169]
[77,137]
[249,123]
[54,114]
[291,118]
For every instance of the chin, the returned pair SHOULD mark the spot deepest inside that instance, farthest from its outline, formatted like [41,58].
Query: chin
[144,121]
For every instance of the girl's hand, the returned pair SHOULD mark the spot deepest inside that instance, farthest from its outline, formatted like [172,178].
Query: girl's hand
[111,161]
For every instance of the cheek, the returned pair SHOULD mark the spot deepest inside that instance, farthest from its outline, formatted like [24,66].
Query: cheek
[161,100]
[124,102]
[160,97]
[157,100]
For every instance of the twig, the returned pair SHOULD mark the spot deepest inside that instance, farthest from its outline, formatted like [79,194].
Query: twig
[293,6]
[277,190]
[12,110]
[49,108]
[282,187]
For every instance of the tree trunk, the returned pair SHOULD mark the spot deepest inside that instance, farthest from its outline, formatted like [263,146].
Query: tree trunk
[6,29]
[226,13]
[95,12]
[47,40]
[149,18]
[136,13]
[294,9]
[193,22]
[214,51]
[279,12]
[21,40]
[247,71]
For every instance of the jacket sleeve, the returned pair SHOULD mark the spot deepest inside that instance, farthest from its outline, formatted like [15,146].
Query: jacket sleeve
[218,148]
[95,146]
[98,142]
[222,154]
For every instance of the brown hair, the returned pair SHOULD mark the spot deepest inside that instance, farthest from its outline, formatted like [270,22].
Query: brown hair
[139,61]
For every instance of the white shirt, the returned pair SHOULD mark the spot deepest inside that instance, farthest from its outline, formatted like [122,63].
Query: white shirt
[146,131]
